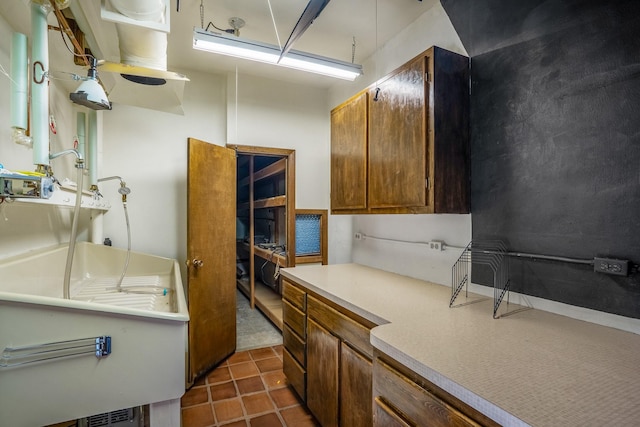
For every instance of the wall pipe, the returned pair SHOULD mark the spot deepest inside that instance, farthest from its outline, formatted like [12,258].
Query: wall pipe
[97,216]
[81,120]
[538,256]
[92,158]
[40,83]
[19,80]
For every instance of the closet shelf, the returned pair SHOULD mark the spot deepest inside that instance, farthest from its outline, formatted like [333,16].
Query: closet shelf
[264,253]
[269,202]
[268,254]
[267,172]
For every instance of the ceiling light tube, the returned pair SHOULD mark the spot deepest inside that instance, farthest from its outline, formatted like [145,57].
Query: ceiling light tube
[270,54]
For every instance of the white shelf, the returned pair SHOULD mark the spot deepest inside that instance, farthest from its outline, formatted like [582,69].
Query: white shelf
[66,196]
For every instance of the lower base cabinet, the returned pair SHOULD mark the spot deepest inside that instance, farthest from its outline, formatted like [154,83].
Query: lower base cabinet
[328,358]
[323,355]
[295,373]
[384,415]
[402,398]
[356,378]
[330,362]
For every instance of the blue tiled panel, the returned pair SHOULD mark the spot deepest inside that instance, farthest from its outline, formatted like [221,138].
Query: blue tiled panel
[307,234]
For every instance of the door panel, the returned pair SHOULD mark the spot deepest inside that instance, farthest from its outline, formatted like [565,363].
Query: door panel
[349,154]
[322,374]
[397,135]
[211,234]
[356,379]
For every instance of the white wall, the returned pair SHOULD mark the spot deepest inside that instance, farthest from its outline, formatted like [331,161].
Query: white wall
[284,115]
[433,28]
[148,149]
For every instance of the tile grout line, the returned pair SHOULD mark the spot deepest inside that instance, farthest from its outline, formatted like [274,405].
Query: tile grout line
[263,355]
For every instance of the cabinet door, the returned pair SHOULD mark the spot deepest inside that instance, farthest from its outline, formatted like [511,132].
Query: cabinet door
[322,374]
[397,139]
[349,154]
[356,376]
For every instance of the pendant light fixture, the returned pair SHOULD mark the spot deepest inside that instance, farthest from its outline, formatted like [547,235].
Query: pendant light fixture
[90,93]
[263,52]
[284,56]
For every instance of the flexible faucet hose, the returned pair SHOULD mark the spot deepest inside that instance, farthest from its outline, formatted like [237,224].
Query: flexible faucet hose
[126,263]
[72,238]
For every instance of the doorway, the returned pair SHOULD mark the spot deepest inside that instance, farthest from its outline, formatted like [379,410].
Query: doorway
[265,225]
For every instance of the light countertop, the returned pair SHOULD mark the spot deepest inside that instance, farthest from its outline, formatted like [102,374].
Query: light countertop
[531,367]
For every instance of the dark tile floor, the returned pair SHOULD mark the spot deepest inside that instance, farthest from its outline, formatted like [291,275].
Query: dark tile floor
[247,389]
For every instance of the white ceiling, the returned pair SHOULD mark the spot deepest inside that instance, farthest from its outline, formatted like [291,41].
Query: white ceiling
[330,35]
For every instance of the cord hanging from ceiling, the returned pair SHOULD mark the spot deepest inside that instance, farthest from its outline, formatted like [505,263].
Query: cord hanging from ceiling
[236,23]
[274,25]
[375,56]
[353,50]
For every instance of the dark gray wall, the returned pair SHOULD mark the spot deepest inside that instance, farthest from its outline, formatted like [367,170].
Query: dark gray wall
[555,130]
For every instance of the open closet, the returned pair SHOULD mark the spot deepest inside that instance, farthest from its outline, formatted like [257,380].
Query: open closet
[265,224]
[270,233]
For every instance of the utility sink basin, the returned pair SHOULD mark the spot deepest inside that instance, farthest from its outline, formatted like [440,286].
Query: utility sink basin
[49,370]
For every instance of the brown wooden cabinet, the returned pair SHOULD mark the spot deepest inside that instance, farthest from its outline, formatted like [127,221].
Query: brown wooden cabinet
[330,362]
[356,373]
[339,367]
[403,398]
[349,154]
[294,306]
[334,375]
[323,357]
[403,146]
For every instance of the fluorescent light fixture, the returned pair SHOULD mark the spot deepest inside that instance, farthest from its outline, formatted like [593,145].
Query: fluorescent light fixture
[270,54]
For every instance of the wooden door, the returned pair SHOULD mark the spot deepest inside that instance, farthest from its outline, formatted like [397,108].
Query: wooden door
[211,255]
[397,139]
[356,379]
[322,374]
[349,154]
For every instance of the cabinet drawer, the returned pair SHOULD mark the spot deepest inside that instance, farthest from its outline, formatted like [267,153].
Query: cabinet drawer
[413,401]
[294,318]
[296,296]
[385,416]
[296,375]
[350,331]
[294,344]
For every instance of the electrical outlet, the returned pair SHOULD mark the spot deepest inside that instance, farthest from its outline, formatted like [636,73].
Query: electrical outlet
[436,245]
[358,236]
[619,267]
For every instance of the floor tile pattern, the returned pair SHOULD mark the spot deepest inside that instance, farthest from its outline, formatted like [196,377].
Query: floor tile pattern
[248,389]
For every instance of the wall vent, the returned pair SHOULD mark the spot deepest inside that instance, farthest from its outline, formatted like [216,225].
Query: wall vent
[120,418]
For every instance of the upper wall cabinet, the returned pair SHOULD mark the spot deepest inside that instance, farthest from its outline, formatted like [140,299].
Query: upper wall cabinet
[403,146]
[349,154]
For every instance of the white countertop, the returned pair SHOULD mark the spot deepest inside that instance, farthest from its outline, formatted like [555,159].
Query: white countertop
[531,367]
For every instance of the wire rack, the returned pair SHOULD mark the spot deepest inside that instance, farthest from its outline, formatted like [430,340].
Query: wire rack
[483,252]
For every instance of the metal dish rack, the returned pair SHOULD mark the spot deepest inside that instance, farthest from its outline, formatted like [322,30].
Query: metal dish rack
[486,252]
